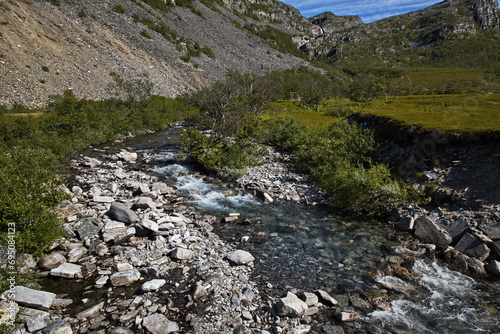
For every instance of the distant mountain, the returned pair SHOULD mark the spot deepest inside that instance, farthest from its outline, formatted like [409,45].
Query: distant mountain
[396,39]
[47,46]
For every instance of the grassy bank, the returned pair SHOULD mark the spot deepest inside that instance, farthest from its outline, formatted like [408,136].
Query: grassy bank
[465,113]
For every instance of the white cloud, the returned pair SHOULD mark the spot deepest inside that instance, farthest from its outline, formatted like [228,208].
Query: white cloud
[368,10]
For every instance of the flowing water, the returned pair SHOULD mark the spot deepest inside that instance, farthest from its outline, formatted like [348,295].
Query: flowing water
[312,247]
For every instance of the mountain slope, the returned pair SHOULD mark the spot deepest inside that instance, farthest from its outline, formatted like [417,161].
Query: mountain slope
[397,39]
[45,49]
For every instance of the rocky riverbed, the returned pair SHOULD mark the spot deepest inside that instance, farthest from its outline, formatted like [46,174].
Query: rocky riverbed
[139,260]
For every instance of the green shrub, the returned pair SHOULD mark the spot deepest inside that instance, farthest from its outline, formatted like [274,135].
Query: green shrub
[146,34]
[118,8]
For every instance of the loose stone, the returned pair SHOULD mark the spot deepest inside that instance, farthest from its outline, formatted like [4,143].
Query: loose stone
[125,277]
[240,257]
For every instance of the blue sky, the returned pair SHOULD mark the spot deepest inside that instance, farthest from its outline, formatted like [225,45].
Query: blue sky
[368,10]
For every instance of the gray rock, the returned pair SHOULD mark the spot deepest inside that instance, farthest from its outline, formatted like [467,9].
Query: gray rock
[406,224]
[427,231]
[181,254]
[159,324]
[473,247]
[76,254]
[123,214]
[457,228]
[90,312]
[491,230]
[325,298]
[120,330]
[51,260]
[291,306]
[153,285]
[240,257]
[35,323]
[493,267]
[67,270]
[58,327]
[149,225]
[89,227]
[125,277]
[33,298]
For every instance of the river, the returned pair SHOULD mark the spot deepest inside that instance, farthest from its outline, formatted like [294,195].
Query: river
[306,247]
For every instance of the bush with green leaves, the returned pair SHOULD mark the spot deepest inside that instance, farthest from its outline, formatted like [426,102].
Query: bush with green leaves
[340,158]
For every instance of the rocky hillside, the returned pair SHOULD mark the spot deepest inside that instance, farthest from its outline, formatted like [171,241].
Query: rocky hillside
[400,36]
[49,46]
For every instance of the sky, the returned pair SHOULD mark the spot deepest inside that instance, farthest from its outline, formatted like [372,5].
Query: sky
[368,10]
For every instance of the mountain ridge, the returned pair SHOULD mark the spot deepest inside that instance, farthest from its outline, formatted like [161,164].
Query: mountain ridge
[48,46]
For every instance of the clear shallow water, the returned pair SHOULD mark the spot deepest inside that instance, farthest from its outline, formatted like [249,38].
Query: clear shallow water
[309,248]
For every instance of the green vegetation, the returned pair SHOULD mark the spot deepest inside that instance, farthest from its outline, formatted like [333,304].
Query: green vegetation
[118,8]
[244,112]
[275,38]
[32,149]
[145,33]
[457,113]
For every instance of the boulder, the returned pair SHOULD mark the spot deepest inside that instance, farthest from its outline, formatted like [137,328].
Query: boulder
[125,277]
[145,203]
[35,323]
[493,267]
[159,324]
[58,327]
[473,247]
[181,254]
[67,270]
[153,285]
[457,228]
[90,312]
[120,330]
[89,227]
[428,231]
[291,306]
[491,230]
[76,254]
[162,188]
[309,298]
[33,298]
[240,257]
[51,260]
[123,214]
[325,298]
[406,224]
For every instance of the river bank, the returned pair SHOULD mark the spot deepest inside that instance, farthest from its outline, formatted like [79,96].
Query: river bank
[140,259]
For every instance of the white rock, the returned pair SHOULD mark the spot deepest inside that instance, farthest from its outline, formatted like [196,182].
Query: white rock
[240,257]
[103,199]
[159,324]
[291,306]
[67,270]
[182,253]
[153,285]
